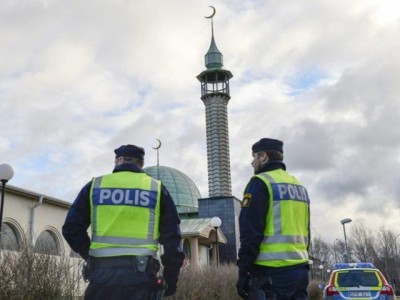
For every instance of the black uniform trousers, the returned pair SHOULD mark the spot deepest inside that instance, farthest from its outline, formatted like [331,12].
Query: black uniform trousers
[285,284]
[119,279]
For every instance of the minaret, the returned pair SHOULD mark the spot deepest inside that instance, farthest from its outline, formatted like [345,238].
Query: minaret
[215,95]
[220,203]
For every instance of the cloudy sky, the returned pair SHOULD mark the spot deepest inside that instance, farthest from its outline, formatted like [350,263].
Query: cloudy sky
[79,78]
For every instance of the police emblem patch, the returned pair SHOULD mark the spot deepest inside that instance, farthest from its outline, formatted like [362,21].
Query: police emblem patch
[246,200]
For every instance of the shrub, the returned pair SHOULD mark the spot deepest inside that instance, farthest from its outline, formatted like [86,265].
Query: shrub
[28,275]
[314,292]
[218,283]
[200,283]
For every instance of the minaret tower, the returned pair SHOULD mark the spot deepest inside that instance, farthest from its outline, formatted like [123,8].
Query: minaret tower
[220,203]
[215,95]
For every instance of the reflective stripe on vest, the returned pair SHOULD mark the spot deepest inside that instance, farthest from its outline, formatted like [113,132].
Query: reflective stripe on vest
[105,252]
[294,239]
[279,248]
[298,256]
[126,196]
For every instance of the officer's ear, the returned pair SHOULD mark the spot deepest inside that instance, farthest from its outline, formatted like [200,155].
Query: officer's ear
[140,163]
[118,160]
[264,157]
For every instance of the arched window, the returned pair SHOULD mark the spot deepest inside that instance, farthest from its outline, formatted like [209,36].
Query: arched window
[10,239]
[47,243]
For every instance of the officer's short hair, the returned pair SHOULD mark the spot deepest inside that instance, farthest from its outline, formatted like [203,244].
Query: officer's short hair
[272,154]
[133,160]
[275,155]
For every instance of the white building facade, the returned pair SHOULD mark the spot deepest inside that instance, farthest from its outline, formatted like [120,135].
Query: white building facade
[36,219]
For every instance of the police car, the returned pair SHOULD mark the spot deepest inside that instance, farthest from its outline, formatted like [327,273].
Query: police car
[357,281]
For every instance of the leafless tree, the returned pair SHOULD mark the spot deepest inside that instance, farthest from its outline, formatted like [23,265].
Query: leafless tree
[362,244]
[387,256]
[322,256]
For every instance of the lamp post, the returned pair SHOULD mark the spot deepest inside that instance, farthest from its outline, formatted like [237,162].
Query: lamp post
[311,263]
[321,267]
[6,173]
[216,222]
[346,254]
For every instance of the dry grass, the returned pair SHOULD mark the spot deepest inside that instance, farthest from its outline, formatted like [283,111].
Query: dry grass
[314,292]
[28,275]
[218,284]
[207,283]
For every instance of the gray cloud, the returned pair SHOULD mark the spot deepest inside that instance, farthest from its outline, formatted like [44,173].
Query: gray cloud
[77,79]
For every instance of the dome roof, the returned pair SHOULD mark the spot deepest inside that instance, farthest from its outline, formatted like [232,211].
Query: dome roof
[182,189]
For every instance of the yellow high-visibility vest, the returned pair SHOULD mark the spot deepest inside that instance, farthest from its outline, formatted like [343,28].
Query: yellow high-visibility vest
[287,221]
[125,214]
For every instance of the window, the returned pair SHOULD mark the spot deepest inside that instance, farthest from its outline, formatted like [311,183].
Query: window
[10,239]
[357,278]
[47,243]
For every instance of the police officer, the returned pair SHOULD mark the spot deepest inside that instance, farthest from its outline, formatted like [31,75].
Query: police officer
[274,229]
[129,213]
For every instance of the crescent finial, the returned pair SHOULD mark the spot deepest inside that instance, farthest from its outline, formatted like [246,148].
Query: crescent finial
[213,13]
[158,146]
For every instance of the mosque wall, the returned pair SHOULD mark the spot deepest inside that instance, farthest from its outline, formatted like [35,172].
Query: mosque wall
[28,215]
[227,209]
[35,218]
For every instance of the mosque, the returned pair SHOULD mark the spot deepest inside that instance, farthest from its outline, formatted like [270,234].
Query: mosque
[195,211]
[209,225]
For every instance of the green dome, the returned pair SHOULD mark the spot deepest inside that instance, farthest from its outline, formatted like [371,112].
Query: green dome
[182,189]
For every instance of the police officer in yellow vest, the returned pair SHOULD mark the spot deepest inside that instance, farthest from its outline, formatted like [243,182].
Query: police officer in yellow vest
[274,229]
[130,213]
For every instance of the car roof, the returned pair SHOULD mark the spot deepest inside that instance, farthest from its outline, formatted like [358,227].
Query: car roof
[353,266]
[362,268]
[351,269]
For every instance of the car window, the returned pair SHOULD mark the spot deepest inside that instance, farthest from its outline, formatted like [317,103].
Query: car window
[357,278]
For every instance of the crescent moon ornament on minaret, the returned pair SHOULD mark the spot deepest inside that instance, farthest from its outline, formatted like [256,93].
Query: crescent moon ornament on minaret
[158,157]
[213,13]
[158,146]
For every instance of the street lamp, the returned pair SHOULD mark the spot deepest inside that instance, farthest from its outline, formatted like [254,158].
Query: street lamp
[6,173]
[321,267]
[345,221]
[216,222]
[311,263]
